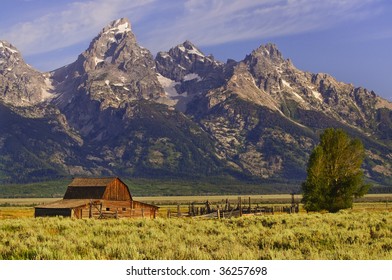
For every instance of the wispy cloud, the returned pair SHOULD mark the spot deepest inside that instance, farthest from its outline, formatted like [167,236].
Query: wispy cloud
[72,24]
[162,23]
[212,22]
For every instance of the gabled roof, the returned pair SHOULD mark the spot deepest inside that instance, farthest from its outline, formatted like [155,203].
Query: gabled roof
[66,203]
[96,188]
[91,182]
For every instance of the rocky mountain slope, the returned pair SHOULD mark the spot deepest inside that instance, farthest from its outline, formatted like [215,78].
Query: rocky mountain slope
[20,84]
[267,116]
[118,111]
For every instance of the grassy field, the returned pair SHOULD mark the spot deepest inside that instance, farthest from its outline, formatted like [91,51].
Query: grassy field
[363,232]
[345,235]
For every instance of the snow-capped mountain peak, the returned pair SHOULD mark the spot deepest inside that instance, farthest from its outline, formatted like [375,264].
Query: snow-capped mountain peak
[20,84]
[185,59]
[259,117]
[114,69]
[190,49]
[118,27]
[6,49]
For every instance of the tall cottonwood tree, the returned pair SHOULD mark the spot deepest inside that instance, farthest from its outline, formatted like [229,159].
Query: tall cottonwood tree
[334,173]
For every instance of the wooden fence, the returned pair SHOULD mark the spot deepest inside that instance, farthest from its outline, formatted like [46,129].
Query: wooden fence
[230,209]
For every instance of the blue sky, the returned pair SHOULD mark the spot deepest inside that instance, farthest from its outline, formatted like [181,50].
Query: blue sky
[349,39]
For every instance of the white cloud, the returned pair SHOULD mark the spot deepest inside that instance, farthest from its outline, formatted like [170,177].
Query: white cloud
[164,23]
[212,22]
[76,22]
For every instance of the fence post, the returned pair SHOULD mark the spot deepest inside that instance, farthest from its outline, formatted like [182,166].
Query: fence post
[208,207]
[90,212]
[240,205]
[169,213]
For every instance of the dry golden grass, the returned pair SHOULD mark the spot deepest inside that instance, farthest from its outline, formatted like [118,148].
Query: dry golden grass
[16,212]
[344,235]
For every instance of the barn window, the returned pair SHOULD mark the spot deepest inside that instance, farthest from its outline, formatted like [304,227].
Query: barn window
[124,209]
[107,209]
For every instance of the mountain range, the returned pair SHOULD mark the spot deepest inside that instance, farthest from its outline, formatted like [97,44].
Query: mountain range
[117,110]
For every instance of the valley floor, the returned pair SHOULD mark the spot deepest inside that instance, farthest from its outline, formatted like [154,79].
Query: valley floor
[351,234]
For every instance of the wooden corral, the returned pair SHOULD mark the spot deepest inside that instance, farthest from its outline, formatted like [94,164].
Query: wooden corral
[230,209]
[97,198]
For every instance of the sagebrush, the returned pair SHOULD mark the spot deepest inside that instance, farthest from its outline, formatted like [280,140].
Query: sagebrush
[347,235]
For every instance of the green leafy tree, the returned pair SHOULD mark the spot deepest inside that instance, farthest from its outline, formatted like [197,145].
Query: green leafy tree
[334,173]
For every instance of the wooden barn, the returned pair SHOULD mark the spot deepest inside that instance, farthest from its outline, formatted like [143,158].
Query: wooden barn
[97,198]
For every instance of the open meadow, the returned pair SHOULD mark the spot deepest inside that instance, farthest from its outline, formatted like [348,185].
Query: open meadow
[345,235]
[364,232]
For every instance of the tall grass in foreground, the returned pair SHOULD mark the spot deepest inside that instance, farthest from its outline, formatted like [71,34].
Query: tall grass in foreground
[345,235]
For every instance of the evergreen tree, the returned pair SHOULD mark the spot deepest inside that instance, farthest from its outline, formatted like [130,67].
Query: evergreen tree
[334,173]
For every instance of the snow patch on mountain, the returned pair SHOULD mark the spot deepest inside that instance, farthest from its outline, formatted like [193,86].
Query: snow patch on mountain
[122,28]
[317,95]
[196,52]
[192,76]
[298,97]
[286,84]
[48,92]
[98,60]
[168,85]
[9,49]
[118,28]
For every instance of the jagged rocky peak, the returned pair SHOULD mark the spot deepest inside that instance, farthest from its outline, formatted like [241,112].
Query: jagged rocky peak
[185,59]
[266,57]
[189,50]
[185,72]
[192,51]
[119,26]
[113,69]
[270,70]
[20,84]
[7,50]
[10,57]
[113,45]
[269,50]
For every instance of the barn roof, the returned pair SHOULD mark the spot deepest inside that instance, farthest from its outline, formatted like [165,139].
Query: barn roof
[66,203]
[95,188]
[83,192]
[91,182]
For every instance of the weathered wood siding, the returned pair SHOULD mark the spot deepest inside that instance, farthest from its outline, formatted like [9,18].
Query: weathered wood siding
[97,198]
[117,190]
[102,209]
[130,209]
